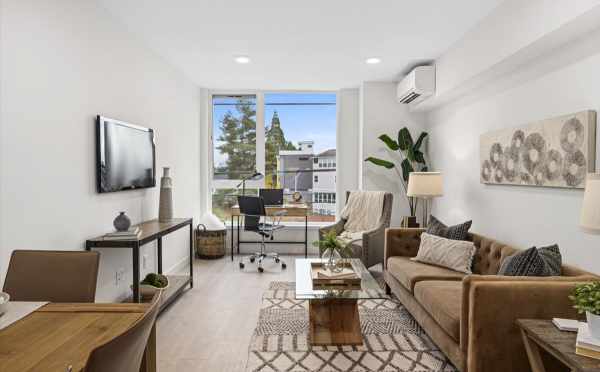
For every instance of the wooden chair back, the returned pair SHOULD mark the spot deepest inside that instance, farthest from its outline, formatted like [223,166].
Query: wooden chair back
[53,276]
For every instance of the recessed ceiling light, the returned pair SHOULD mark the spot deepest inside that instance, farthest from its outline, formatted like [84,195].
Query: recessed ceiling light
[242,59]
[373,60]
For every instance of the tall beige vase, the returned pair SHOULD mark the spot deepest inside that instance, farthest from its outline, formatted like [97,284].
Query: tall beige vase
[165,207]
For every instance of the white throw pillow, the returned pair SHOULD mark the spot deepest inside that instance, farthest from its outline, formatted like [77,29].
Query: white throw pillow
[453,254]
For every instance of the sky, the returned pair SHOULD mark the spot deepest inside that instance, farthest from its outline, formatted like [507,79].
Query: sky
[303,116]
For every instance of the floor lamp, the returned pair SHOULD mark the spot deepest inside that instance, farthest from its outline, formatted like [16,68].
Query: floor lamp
[425,186]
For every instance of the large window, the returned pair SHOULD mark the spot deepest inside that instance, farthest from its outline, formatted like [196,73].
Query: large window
[288,137]
[234,136]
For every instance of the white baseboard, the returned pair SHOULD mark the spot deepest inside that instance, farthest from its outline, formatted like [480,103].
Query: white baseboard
[180,267]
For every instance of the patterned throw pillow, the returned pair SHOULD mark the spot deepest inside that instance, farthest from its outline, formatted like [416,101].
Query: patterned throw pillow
[456,232]
[545,261]
[454,254]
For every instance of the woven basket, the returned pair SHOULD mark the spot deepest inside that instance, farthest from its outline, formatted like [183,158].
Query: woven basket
[210,243]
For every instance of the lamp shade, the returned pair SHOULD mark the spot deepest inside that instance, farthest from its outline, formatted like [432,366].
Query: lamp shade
[590,210]
[425,184]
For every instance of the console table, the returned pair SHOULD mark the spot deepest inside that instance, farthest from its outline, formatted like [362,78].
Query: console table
[149,232]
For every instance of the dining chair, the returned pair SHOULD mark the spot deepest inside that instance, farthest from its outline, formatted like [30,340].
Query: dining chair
[125,352]
[54,276]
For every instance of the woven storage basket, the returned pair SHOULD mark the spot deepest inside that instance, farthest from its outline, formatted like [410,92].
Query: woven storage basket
[210,243]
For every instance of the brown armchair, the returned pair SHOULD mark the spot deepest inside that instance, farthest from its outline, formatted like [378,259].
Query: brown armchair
[370,248]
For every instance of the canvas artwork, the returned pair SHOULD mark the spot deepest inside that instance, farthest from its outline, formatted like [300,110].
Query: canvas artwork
[556,152]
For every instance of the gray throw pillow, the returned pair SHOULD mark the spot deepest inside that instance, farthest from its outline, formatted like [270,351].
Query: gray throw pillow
[545,261]
[456,232]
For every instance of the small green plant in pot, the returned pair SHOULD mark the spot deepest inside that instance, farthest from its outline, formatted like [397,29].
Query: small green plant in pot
[152,283]
[586,299]
[332,251]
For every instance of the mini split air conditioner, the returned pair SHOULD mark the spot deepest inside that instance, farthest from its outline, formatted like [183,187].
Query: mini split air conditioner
[417,85]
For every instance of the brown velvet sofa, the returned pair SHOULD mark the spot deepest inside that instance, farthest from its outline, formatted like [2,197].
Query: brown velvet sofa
[472,317]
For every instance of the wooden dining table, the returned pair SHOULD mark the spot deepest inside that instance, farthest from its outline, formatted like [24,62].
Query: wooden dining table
[59,336]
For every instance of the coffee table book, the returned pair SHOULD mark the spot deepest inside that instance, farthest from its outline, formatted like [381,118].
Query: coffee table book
[348,278]
[586,344]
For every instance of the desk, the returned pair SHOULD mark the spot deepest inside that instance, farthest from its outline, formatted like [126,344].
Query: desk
[542,334]
[60,335]
[292,210]
[150,231]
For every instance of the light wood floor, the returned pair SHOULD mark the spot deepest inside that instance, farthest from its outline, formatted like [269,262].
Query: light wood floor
[209,327]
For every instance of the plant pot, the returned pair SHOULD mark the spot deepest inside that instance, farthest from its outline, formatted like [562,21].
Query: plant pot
[409,221]
[593,322]
[148,291]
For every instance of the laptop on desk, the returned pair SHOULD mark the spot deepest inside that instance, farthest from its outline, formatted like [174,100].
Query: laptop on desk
[271,197]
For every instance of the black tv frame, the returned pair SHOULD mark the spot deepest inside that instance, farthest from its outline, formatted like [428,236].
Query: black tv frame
[99,120]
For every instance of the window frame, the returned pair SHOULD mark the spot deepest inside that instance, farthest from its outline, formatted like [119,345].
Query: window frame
[260,135]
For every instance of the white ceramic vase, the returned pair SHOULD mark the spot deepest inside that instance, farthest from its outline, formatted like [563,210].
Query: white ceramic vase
[593,322]
[165,207]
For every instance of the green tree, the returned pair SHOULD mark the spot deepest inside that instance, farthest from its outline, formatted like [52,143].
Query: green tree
[238,137]
[274,142]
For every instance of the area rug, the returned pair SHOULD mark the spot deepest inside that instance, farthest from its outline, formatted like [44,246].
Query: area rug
[393,341]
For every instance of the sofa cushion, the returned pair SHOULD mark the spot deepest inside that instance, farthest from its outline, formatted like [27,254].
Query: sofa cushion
[442,299]
[452,254]
[456,232]
[409,272]
[545,261]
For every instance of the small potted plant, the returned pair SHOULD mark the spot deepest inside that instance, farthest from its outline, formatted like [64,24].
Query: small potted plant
[586,297]
[152,283]
[332,251]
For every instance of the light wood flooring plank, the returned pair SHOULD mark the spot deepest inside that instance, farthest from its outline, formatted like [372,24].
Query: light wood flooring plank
[210,326]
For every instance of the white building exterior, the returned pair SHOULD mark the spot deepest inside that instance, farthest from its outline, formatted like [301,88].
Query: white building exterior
[324,178]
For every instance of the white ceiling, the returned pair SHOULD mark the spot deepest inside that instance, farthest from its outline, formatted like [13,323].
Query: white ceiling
[300,44]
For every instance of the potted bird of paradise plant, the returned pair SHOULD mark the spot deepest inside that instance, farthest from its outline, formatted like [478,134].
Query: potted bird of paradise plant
[412,159]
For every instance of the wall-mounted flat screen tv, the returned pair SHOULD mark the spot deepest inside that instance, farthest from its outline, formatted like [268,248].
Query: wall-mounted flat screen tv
[125,158]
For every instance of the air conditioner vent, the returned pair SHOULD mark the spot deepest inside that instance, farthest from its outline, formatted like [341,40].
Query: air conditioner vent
[417,85]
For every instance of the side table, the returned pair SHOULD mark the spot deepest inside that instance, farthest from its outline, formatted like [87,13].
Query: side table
[541,334]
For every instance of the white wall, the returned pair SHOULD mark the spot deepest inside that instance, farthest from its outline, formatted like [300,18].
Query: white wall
[381,113]
[62,63]
[347,143]
[562,81]
[513,34]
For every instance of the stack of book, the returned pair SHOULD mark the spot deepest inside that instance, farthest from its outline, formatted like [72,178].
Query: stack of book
[132,234]
[566,325]
[346,273]
[587,345]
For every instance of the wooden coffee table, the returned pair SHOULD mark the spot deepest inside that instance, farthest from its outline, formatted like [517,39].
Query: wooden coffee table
[333,313]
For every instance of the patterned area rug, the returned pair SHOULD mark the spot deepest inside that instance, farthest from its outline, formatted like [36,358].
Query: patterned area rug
[393,339]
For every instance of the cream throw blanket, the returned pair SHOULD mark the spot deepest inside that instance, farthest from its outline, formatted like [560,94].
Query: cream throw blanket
[362,213]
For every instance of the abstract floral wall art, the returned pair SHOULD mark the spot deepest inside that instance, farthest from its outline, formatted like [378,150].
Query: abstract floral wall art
[556,152]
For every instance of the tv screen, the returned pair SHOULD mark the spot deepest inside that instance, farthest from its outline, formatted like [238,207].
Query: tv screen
[125,156]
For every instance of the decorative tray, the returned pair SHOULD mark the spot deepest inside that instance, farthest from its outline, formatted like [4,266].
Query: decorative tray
[321,282]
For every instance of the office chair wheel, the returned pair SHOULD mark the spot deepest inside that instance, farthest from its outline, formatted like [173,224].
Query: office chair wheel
[283,265]
[260,269]
[277,260]
[252,259]
[241,265]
